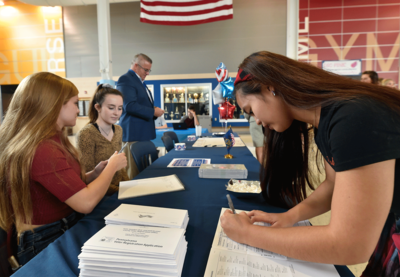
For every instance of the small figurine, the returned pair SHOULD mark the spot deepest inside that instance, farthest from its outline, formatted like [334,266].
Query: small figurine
[167,100]
[201,100]
[177,115]
[181,99]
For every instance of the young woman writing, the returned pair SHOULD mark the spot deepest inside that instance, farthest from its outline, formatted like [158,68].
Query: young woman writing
[100,138]
[357,131]
[43,189]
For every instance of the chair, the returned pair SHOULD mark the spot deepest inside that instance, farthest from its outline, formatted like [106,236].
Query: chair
[172,135]
[144,153]
[168,143]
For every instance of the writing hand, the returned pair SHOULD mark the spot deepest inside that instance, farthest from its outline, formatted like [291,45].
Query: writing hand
[236,225]
[276,220]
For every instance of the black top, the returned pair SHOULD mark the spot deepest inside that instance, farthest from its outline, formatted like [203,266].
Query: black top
[97,126]
[360,132]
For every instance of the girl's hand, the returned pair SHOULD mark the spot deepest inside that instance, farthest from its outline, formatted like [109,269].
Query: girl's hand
[117,161]
[276,220]
[99,168]
[236,225]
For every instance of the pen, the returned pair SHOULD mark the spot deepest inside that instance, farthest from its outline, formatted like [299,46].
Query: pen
[123,147]
[230,203]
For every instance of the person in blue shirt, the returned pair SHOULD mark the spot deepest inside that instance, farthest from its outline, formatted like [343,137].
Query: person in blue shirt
[139,112]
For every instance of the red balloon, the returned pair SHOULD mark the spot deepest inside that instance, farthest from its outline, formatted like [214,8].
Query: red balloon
[226,110]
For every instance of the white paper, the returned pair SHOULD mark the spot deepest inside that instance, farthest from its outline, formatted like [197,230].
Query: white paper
[150,216]
[135,188]
[230,258]
[216,142]
[188,162]
[133,239]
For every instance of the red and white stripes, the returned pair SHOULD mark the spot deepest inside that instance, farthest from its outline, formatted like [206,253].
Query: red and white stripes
[185,12]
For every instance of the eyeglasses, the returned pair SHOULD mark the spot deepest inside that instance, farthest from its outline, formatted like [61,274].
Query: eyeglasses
[145,69]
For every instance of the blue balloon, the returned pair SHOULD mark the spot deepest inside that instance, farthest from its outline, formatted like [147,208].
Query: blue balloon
[227,88]
[221,66]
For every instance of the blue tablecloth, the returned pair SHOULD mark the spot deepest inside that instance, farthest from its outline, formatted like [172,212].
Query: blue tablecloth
[203,198]
[182,134]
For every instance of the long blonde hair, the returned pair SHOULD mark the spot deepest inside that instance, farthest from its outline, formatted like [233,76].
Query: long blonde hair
[30,119]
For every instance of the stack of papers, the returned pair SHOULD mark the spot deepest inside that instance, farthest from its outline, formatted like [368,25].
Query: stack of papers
[223,171]
[188,162]
[118,250]
[127,214]
[216,142]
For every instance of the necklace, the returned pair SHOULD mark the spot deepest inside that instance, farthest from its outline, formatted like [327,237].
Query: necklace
[105,131]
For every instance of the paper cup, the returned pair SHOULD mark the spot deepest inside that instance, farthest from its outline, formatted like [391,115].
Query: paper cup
[198,131]
[191,138]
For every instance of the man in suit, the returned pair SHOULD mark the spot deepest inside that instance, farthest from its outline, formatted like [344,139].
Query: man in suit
[137,119]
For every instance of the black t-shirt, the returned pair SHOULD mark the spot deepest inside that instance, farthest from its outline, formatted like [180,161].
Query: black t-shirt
[360,132]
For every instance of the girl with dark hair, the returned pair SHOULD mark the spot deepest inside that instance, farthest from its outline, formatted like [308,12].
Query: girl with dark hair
[357,131]
[100,138]
[370,77]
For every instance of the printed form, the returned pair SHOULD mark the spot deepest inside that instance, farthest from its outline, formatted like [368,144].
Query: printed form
[230,258]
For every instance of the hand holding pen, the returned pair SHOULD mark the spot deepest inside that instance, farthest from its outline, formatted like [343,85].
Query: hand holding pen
[230,203]
[123,147]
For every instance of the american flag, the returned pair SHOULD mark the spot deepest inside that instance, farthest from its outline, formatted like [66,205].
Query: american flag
[185,12]
[233,139]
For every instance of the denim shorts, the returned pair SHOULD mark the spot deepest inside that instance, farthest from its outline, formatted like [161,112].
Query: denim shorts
[32,243]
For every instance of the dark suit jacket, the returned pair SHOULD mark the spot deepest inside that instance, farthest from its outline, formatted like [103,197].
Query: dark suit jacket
[137,119]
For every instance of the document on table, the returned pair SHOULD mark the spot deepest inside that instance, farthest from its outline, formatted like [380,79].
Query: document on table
[118,250]
[127,214]
[228,257]
[216,142]
[188,162]
[135,188]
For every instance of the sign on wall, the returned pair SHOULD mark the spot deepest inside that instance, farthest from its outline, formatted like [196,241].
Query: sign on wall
[345,67]
[31,41]
[332,30]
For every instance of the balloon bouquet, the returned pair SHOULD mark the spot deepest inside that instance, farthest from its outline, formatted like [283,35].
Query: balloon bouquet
[223,92]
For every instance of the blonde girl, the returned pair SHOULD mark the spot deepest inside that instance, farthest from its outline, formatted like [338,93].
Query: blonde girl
[43,189]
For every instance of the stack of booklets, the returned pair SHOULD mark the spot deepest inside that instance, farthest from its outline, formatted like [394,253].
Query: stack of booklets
[143,246]
[127,214]
[118,250]
[223,171]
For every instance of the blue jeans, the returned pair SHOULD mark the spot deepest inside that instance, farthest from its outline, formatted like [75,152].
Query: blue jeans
[32,243]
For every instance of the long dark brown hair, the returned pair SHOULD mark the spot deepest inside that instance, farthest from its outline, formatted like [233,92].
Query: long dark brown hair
[285,173]
[98,98]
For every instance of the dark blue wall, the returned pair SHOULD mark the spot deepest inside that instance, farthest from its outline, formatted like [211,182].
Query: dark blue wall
[215,113]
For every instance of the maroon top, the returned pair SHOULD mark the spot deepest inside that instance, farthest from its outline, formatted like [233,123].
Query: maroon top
[189,122]
[54,178]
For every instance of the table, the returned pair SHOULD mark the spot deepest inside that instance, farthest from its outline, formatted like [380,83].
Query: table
[182,134]
[203,198]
